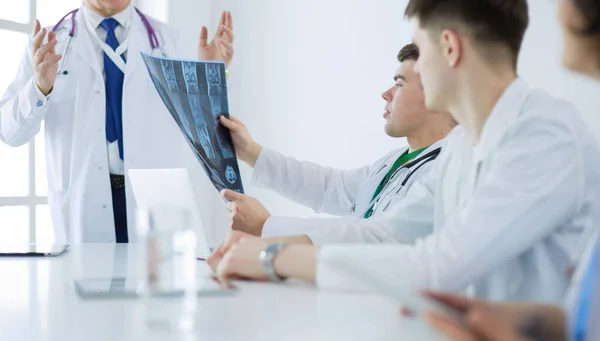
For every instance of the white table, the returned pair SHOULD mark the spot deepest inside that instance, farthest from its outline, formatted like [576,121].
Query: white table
[38,302]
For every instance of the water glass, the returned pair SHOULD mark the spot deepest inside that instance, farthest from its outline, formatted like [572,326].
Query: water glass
[168,243]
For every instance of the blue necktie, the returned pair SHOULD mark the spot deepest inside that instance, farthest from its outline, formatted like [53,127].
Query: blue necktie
[114,88]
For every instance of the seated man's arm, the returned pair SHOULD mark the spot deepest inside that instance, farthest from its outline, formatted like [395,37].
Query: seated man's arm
[409,219]
[323,189]
[524,198]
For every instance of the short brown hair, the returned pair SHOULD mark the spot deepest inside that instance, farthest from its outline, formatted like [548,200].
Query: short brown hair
[408,52]
[489,22]
[590,9]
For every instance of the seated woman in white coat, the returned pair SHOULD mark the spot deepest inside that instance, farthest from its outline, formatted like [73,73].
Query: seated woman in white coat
[510,214]
[351,194]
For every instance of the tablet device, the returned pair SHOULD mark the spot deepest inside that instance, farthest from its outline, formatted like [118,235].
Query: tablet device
[32,250]
[129,287]
[412,300]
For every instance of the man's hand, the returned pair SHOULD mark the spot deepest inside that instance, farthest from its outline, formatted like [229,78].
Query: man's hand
[499,321]
[44,59]
[221,46]
[242,260]
[238,256]
[246,148]
[249,215]
[233,237]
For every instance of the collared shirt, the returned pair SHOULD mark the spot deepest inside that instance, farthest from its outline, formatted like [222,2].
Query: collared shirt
[508,218]
[116,165]
[402,160]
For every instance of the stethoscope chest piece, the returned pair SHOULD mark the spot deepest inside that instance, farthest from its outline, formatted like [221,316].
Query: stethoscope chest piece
[63,39]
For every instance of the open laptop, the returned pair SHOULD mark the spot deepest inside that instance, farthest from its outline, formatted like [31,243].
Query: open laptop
[151,190]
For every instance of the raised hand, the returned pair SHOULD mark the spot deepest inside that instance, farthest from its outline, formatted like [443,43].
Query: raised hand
[44,59]
[221,46]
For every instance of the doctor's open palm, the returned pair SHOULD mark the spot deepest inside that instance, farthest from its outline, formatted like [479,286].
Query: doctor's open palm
[44,59]
[246,148]
[221,47]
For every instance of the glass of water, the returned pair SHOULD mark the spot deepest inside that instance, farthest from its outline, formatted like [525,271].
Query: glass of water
[168,251]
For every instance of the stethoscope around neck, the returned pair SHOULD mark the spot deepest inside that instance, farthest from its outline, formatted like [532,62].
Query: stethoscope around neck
[412,167]
[152,37]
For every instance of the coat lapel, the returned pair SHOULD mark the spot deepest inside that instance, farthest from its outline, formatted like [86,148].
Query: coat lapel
[82,44]
[138,42]
[367,189]
[503,117]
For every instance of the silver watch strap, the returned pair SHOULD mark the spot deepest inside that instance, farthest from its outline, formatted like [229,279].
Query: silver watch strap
[267,259]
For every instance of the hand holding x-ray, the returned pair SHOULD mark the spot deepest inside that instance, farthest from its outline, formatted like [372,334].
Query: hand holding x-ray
[246,148]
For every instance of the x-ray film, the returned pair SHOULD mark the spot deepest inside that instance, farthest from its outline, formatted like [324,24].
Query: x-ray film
[195,93]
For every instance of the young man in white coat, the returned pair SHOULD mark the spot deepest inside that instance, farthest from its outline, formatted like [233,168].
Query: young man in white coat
[578,319]
[351,194]
[515,187]
[101,113]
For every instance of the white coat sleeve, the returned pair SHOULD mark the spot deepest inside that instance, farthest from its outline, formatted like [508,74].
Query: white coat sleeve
[323,189]
[23,106]
[527,193]
[410,219]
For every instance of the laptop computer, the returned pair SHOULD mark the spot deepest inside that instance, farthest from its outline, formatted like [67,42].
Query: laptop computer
[150,189]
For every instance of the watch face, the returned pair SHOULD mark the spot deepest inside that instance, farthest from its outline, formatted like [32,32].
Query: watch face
[262,255]
[267,257]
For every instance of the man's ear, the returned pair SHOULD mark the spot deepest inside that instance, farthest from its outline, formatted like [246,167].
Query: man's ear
[451,47]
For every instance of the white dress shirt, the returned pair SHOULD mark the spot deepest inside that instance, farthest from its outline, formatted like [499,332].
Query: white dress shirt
[116,165]
[516,209]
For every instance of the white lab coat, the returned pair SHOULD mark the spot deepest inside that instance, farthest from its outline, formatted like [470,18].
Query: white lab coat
[344,193]
[510,215]
[79,191]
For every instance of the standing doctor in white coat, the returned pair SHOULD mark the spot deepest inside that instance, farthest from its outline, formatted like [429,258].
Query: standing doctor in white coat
[69,76]
[354,194]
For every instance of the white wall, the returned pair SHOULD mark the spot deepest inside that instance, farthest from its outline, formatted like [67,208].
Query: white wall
[307,75]
[307,79]
[540,64]
[158,9]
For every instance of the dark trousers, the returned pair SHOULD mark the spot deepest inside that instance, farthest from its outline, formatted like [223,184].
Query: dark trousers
[120,214]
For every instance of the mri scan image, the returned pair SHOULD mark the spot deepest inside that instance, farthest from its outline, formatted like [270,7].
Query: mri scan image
[195,94]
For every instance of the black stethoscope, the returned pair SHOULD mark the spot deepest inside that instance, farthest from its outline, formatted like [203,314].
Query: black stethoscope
[418,162]
[152,37]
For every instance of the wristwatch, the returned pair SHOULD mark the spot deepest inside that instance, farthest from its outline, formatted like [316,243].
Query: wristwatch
[267,259]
